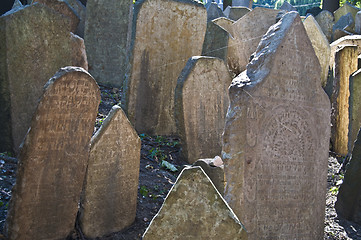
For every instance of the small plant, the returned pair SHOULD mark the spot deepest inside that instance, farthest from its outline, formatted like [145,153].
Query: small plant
[334,190]
[157,154]
[143,190]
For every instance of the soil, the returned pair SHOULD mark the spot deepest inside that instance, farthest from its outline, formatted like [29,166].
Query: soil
[155,181]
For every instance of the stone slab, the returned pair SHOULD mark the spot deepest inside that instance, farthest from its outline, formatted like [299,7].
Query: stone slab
[287,7]
[215,42]
[194,209]
[325,19]
[106,29]
[276,139]
[354,108]
[345,9]
[346,23]
[225,23]
[235,13]
[109,198]
[358,23]
[201,103]
[213,11]
[80,10]
[53,160]
[242,3]
[164,35]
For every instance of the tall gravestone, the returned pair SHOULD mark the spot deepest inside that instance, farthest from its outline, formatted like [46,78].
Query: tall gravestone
[105,37]
[111,184]
[345,64]
[53,159]
[201,102]
[194,209]
[354,108]
[325,20]
[215,41]
[34,43]
[275,144]
[164,35]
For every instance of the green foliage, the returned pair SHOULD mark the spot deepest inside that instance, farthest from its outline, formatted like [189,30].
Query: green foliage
[334,190]
[143,190]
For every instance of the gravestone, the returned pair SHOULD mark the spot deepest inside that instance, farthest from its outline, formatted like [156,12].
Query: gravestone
[247,33]
[345,9]
[35,42]
[242,3]
[276,139]
[80,10]
[325,20]
[105,37]
[225,23]
[17,4]
[194,209]
[345,23]
[235,13]
[63,8]
[213,11]
[215,41]
[287,7]
[348,198]
[320,45]
[53,160]
[354,108]
[163,38]
[339,33]
[201,103]
[111,184]
[345,64]
[358,23]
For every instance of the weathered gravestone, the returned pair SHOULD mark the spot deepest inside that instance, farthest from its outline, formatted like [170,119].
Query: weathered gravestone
[345,9]
[320,44]
[345,24]
[242,3]
[17,4]
[215,41]
[345,64]
[63,7]
[287,7]
[225,23]
[111,184]
[53,160]
[247,33]
[235,13]
[164,36]
[201,103]
[325,20]
[358,23]
[354,108]
[213,11]
[275,144]
[34,43]
[349,196]
[81,12]
[105,37]
[194,209]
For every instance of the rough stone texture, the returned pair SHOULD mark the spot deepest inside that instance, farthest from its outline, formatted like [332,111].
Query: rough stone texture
[345,9]
[81,12]
[109,199]
[242,3]
[235,13]
[194,209]
[215,42]
[164,35]
[35,43]
[214,169]
[247,33]
[358,23]
[339,33]
[345,64]
[348,199]
[54,157]
[320,44]
[287,7]
[213,11]
[105,37]
[201,103]
[346,23]
[354,108]
[225,23]
[276,139]
[325,20]
[63,8]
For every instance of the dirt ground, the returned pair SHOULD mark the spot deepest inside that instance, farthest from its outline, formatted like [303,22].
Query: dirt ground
[155,180]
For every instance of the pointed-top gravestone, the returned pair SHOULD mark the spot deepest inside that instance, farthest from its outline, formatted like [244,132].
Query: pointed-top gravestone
[346,23]
[345,9]
[35,42]
[235,13]
[320,45]
[163,38]
[54,157]
[287,7]
[201,102]
[213,11]
[325,20]
[17,4]
[276,139]
[215,42]
[194,209]
[225,23]
[111,184]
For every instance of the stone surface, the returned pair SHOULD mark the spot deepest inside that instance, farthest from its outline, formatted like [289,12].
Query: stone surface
[215,42]
[106,29]
[35,43]
[201,103]
[109,199]
[345,64]
[242,3]
[225,23]
[325,20]
[53,160]
[354,108]
[346,23]
[213,11]
[81,12]
[320,44]
[287,7]
[235,13]
[345,9]
[214,169]
[276,139]
[17,4]
[247,33]
[358,23]
[339,33]
[163,38]
[63,8]
[194,209]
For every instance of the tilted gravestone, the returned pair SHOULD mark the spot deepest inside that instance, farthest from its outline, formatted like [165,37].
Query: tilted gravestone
[235,13]
[345,9]
[201,103]
[213,11]
[354,108]
[345,64]
[276,139]
[320,44]
[215,41]
[34,43]
[345,23]
[325,20]
[109,198]
[105,37]
[80,10]
[194,209]
[53,160]
[163,38]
